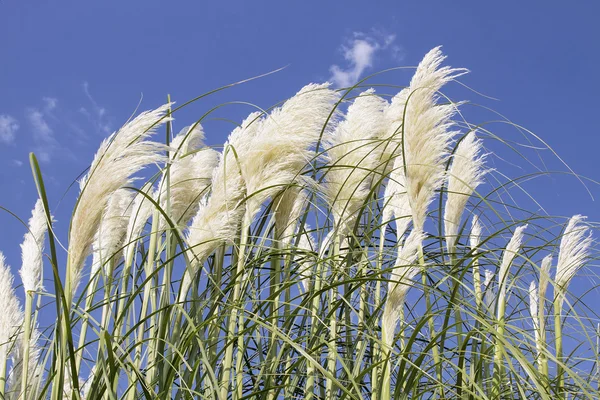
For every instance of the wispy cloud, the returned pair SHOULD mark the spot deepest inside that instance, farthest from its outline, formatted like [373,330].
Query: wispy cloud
[43,134]
[360,53]
[98,116]
[8,127]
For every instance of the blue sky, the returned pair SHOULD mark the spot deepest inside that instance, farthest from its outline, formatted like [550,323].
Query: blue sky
[71,72]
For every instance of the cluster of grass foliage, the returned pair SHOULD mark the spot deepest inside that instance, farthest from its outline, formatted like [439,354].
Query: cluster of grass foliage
[340,246]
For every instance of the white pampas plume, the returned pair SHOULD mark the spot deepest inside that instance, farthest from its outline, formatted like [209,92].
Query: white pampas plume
[32,250]
[111,233]
[466,174]
[190,174]
[35,369]
[475,236]
[87,385]
[283,144]
[534,300]
[511,251]
[423,129]
[545,276]
[261,158]
[395,200]
[474,242]
[354,153]
[11,317]
[219,216]
[573,251]
[489,289]
[307,257]
[119,157]
[403,272]
[288,207]
[141,211]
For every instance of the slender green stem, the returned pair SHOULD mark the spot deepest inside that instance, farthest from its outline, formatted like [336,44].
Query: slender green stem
[558,341]
[377,356]
[309,388]
[146,297]
[541,345]
[498,379]
[26,342]
[427,294]
[274,289]
[332,342]
[233,317]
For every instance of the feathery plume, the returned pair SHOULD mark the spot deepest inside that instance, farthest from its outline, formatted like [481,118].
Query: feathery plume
[219,216]
[261,158]
[87,385]
[190,173]
[141,211]
[35,369]
[425,132]
[466,174]
[474,242]
[32,250]
[395,200]
[353,154]
[308,248]
[511,251]
[475,237]
[534,300]
[11,316]
[402,274]
[573,251]
[544,276]
[489,289]
[111,232]
[541,313]
[288,207]
[119,157]
[283,143]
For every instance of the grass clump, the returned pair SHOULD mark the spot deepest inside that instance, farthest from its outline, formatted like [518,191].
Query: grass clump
[340,246]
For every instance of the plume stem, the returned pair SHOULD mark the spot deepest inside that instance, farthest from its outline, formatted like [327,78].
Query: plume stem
[542,288]
[558,342]
[313,318]
[377,301]
[26,342]
[427,294]
[89,299]
[233,317]
[332,343]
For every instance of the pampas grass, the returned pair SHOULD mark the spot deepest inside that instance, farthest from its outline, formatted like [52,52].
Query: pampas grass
[466,174]
[11,319]
[354,150]
[118,158]
[574,250]
[425,131]
[32,249]
[510,253]
[284,264]
[191,169]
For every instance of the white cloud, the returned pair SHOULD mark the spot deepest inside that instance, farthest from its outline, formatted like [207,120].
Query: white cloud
[43,134]
[49,103]
[360,54]
[99,117]
[8,127]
